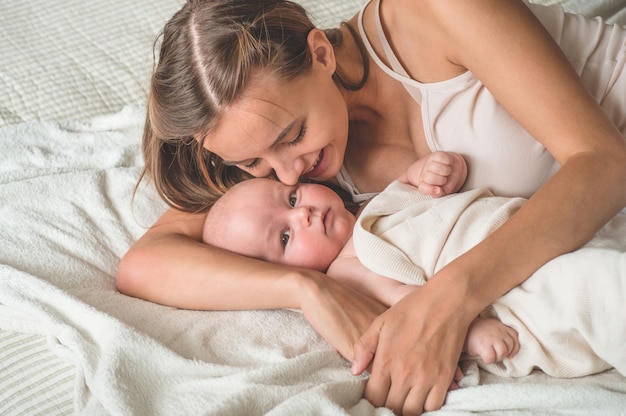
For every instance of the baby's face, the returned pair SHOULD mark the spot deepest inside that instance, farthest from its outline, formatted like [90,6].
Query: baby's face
[305,225]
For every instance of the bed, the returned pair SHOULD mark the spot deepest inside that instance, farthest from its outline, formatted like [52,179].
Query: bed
[73,79]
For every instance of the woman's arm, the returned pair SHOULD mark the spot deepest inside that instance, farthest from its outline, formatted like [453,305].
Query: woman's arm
[171,266]
[504,45]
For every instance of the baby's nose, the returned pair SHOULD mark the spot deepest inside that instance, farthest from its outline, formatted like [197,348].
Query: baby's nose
[303,214]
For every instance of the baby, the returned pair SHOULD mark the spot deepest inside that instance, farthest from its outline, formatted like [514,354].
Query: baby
[307,225]
[567,319]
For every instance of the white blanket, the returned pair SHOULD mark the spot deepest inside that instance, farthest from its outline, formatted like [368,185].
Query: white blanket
[66,219]
[69,342]
[569,315]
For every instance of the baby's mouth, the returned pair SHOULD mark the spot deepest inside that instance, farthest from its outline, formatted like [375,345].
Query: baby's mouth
[326,219]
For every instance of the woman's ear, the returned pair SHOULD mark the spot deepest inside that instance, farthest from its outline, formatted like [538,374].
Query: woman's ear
[322,51]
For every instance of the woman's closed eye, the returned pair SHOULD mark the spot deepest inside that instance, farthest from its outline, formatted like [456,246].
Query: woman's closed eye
[299,137]
[295,141]
[252,164]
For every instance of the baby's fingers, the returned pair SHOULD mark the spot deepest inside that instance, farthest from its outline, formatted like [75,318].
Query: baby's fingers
[513,343]
[437,170]
[432,190]
[501,351]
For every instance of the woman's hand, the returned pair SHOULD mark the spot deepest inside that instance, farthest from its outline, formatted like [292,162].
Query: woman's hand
[415,347]
[337,312]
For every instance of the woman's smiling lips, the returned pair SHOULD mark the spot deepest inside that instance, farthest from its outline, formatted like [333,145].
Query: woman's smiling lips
[318,166]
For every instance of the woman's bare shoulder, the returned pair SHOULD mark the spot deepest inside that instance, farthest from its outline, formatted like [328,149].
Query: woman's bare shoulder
[418,33]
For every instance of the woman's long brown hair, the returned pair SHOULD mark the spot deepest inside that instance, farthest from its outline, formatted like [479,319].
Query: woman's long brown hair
[209,50]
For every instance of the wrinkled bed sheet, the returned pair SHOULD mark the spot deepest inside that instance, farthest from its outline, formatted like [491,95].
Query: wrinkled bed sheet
[73,79]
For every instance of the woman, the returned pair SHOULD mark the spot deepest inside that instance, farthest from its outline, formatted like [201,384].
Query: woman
[253,88]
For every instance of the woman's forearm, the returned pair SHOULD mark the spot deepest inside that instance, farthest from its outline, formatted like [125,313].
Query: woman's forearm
[563,215]
[180,272]
[171,266]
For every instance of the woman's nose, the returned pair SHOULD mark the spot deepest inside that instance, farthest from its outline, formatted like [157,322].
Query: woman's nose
[289,172]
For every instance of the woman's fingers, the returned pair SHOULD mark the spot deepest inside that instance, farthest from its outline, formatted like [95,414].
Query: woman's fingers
[377,388]
[416,346]
[365,348]
[339,314]
[435,398]
[458,374]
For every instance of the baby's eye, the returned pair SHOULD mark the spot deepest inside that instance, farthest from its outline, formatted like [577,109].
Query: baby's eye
[284,237]
[292,200]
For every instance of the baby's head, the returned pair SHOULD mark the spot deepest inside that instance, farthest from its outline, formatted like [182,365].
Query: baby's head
[305,225]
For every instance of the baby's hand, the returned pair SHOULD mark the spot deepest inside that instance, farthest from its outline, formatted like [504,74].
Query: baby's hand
[491,340]
[438,174]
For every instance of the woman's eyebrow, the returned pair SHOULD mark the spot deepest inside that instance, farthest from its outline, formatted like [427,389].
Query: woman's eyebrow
[283,133]
[279,138]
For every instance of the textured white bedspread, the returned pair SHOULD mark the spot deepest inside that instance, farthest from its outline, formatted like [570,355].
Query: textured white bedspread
[73,77]
[66,219]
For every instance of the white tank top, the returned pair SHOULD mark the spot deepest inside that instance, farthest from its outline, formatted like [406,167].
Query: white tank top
[461,115]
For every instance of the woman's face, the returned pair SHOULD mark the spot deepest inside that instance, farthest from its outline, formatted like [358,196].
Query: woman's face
[292,129]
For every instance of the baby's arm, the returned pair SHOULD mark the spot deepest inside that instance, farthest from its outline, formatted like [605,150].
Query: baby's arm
[438,174]
[491,340]
[349,270]
[487,338]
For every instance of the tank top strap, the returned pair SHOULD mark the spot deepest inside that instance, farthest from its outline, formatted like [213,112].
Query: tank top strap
[396,71]
[347,184]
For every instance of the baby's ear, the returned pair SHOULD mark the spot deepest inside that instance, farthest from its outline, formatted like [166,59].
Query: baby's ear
[321,50]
